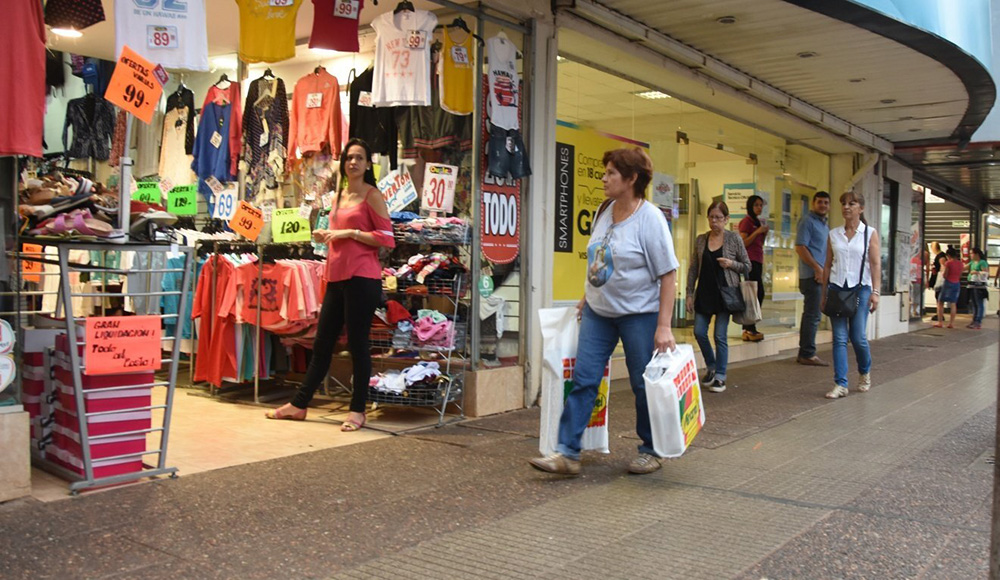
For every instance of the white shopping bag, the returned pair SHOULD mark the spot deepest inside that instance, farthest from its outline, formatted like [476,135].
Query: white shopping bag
[676,412]
[560,332]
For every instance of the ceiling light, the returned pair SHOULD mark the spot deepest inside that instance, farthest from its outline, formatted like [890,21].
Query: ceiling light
[324,52]
[806,54]
[651,95]
[857,80]
[726,20]
[67,32]
[887,101]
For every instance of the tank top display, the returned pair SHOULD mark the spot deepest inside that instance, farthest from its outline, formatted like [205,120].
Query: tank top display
[172,34]
[504,82]
[455,73]
[335,25]
[403,58]
[267,29]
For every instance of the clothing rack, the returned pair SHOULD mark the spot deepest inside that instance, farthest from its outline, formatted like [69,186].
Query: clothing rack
[215,247]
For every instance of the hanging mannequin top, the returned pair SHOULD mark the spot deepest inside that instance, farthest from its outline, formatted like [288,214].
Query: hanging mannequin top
[505,83]
[172,34]
[316,114]
[267,29]
[403,58]
[335,24]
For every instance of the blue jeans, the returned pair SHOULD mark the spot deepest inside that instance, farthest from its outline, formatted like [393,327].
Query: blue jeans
[720,357]
[853,328]
[812,293]
[977,300]
[598,339]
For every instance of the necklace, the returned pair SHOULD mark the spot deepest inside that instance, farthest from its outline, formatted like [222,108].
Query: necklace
[635,209]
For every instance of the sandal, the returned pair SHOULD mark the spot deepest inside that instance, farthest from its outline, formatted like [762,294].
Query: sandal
[299,415]
[350,426]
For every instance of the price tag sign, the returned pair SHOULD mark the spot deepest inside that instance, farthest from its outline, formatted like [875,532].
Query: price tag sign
[460,56]
[161,36]
[121,344]
[183,200]
[280,3]
[314,100]
[147,192]
[416,39]
[347,9]
[30,269]
[305,211]
[248,221]
[133,86]
[214,184]
[225,205]
[439,187]
[397,189]
[216,139]
[268,210]
[288,226]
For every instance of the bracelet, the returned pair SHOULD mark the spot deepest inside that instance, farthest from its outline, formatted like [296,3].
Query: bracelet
[357,233]
[876,292]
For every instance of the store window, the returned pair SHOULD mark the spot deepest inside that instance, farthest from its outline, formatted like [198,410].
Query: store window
[698,156]
[887,235]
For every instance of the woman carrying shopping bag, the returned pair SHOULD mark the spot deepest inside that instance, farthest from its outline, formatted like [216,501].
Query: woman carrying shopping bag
[718,259]
[628,295]
[853,270]
[753,230]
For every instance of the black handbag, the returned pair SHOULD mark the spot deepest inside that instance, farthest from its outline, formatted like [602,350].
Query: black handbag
[845,303]
[732,296]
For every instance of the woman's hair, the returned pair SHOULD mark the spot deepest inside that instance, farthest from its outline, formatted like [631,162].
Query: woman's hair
[369,174]
[953,253]
[975,250]
[851,195]
[631,161]
[752,201]
[718,204]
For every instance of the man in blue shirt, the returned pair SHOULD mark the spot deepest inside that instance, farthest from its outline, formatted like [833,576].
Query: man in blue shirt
[810,245]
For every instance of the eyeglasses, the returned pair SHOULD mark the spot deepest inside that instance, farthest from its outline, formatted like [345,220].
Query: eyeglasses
[716,218]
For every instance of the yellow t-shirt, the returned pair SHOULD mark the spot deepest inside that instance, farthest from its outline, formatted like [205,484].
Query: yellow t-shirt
[267,29]
[455,72]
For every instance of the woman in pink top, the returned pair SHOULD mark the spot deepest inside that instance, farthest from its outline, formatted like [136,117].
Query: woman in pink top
[360,222]
[952,273]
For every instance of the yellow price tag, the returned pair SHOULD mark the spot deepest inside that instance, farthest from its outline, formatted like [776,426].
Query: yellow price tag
[288,226]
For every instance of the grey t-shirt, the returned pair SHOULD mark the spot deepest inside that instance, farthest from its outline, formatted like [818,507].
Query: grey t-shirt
[626,260]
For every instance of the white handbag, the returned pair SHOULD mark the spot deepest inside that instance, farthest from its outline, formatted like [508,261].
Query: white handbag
[673,395]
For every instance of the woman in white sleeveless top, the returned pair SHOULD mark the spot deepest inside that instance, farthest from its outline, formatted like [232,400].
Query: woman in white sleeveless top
[848,263]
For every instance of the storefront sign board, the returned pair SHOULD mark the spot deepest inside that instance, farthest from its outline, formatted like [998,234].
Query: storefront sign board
[122,344]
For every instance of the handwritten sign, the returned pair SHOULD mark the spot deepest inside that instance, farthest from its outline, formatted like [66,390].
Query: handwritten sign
[147,192]
[133,86]
[439,187]
[183,200]
[248,221]
[225,205]
[30,269]
[288,226]
[121,344]
[397,189]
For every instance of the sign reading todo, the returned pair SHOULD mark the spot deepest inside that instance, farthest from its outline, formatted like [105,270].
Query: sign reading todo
[439,187]
[248,221]
[121,344]
[287,225]
[133,86]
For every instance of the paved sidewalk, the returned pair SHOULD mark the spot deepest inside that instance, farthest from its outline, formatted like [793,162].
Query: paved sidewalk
[783,484]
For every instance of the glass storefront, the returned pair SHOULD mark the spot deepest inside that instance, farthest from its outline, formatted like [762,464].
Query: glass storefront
[698,157]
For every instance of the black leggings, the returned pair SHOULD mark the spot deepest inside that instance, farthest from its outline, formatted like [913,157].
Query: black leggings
[756,275]
[352,301]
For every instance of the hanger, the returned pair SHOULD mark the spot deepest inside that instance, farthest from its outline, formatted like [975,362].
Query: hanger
[405,5]
[222,79]
[318,68]
[460,24]
[268,74]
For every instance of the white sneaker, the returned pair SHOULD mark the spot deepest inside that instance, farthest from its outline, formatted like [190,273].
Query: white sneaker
[837,392]
[865,383]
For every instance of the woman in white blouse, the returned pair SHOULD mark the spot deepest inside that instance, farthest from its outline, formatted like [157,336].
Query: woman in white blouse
[849,262]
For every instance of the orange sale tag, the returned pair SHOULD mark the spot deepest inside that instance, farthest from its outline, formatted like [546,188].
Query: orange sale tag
[248,221]
[122,344]
[133,86]
[31,269]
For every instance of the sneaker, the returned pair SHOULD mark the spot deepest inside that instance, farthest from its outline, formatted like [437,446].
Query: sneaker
[865,383]
[717,386]
[708,378]
[752,336]
[645,463]
[746,336]
[556,463]
[837,392]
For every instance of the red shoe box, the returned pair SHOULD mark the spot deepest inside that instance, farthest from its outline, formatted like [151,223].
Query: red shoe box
[96,400]
[32,387]
[99,448]
[33,359]
[106,424]
[62,345]
[65,376]
[102,468]
[32,404]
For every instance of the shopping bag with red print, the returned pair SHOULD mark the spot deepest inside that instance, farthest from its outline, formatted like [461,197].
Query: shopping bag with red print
[676,412]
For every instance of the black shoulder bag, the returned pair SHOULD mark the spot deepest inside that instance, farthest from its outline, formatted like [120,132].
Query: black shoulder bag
[845,303]
[732,296]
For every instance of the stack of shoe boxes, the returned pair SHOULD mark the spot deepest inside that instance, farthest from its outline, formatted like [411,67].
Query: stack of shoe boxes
[38,394]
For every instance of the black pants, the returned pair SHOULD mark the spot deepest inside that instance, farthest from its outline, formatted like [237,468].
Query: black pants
[756,275]
[352,301]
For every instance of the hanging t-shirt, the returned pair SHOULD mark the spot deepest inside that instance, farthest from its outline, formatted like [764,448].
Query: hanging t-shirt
[211,148]
[375,125]
[172,34]
[267,29]
[335,24]
[315,115]
[175,162]
[403,58]
[22,74]
[455,73]
[504,82]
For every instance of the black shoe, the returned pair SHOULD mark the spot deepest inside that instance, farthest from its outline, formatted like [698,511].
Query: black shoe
[717,386]
[708,378]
